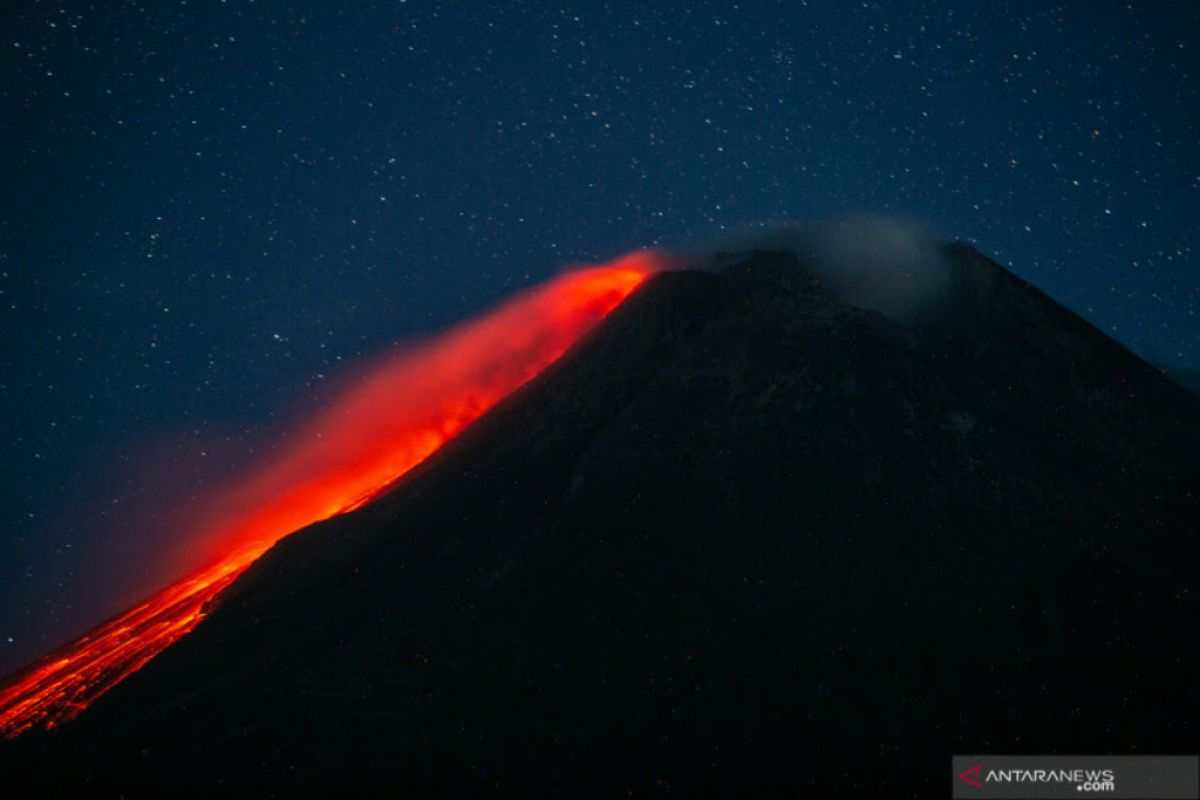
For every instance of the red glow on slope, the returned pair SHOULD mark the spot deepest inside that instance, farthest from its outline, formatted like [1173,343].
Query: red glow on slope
[395,416]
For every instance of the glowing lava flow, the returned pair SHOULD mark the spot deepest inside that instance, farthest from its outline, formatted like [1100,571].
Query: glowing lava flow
[395,416]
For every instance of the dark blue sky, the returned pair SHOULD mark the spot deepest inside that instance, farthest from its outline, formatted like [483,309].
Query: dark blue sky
[209,208]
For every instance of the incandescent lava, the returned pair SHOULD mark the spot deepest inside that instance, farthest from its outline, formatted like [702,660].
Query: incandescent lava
[398,413]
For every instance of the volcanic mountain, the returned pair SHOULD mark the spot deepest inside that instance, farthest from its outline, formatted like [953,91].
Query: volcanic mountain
[743,538]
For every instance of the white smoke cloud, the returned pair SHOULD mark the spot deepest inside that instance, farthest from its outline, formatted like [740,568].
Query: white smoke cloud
[887,264]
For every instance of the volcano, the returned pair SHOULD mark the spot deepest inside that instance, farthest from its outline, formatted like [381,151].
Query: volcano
[743,537]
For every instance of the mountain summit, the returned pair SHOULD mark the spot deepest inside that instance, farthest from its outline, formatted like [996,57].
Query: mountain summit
[745,537]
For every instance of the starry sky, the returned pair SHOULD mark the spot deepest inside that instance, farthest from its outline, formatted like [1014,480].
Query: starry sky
[210,209]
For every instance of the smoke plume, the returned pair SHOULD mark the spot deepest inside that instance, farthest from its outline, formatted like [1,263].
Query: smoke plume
[892,265]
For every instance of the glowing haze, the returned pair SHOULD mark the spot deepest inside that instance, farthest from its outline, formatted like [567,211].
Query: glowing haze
[395,415]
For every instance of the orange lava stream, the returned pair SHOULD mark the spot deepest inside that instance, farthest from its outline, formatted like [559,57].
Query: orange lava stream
[397,414]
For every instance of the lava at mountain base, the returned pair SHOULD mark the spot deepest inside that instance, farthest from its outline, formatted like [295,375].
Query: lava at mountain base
[397,414]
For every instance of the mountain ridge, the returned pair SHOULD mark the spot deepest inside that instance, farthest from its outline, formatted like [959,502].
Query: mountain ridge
[597,585]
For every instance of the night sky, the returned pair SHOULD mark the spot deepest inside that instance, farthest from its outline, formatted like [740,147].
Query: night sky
[210,209]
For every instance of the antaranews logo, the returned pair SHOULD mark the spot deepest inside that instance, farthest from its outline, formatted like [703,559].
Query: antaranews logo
[1167,777]
[1084,780]
[971,776]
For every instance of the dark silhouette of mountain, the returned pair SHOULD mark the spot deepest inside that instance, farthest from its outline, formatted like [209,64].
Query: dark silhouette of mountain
[743,539]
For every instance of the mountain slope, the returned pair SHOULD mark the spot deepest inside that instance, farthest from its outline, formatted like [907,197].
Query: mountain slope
[743,536]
